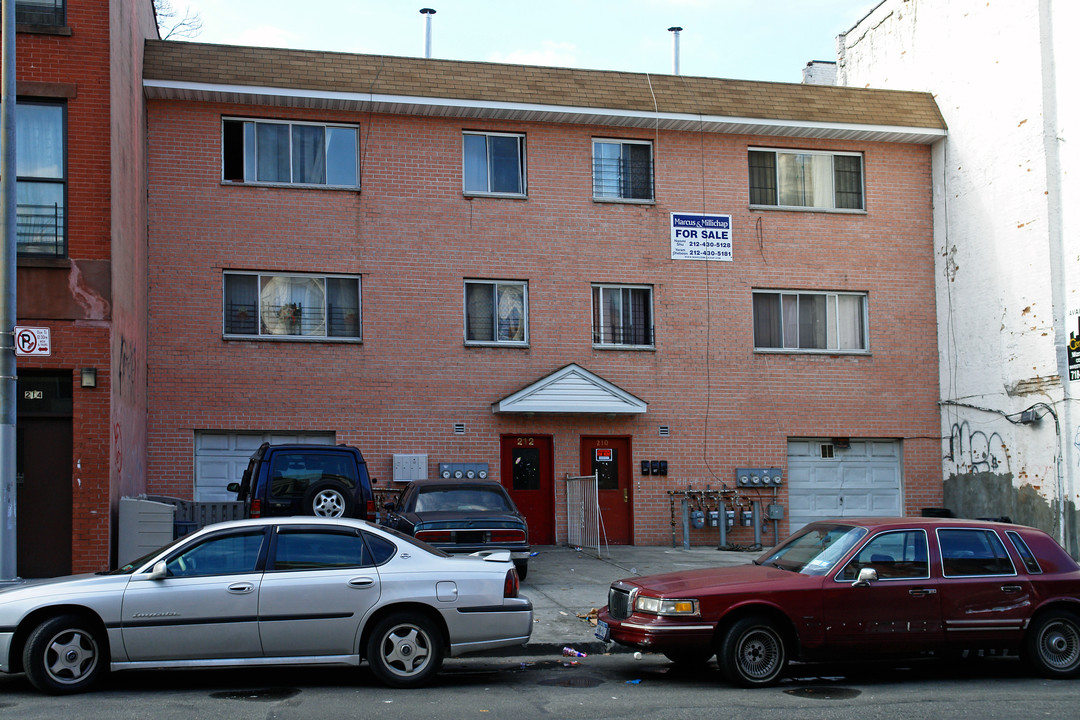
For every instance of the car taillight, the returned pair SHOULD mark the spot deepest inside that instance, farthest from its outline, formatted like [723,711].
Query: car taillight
[511,584]
[507,536]
[370,509]
[434,536]
[256,508]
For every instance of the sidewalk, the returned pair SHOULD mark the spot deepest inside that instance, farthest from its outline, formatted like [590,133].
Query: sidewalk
[563,583]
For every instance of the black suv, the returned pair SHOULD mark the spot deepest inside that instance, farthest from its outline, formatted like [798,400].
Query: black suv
[322,480]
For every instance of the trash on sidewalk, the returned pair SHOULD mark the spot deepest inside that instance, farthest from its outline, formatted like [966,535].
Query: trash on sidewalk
[591,617]
[633,682]
[571,652]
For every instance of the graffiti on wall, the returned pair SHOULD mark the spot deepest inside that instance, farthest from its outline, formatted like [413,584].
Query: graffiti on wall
[973,451]
[127,368]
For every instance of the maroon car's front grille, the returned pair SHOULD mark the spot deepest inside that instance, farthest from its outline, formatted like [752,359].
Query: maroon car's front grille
[619,603]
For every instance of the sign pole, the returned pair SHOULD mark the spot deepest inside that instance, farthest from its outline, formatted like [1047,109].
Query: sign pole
[8,558]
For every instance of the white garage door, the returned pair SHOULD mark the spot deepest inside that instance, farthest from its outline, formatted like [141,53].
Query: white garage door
[221,458]
[825,481]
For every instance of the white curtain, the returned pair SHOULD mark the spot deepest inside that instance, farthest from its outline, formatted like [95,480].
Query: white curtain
[293,305]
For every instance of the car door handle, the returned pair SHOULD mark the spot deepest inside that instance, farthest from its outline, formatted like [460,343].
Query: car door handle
[1011,588]
[921,592]
[361,582]
[242,588]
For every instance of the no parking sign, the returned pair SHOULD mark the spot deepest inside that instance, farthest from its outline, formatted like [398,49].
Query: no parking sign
[32,341]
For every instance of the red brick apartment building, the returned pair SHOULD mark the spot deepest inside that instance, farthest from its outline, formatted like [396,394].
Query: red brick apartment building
[81,236]
[544,272]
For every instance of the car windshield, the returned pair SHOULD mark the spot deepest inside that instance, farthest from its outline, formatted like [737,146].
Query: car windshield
[814,550]
[464,499]
[128,568]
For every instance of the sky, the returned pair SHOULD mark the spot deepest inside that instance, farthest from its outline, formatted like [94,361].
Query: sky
[766,40]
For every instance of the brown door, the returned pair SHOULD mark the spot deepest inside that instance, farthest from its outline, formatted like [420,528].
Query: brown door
[609,458]
[43,478]
[528,476]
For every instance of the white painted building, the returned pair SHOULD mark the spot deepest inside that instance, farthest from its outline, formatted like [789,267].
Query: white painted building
[1007,237]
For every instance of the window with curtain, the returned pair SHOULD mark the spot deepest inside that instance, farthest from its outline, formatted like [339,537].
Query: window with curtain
[806,179]
[41,179]
[834,322]
[622,169]
[496,312]
[273,152]
[494,163]
[292,306]
[622,315]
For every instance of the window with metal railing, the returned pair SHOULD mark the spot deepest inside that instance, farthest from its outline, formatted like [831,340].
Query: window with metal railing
[40,12]
[622,316]
[292,306]
[622,170]
[41,179]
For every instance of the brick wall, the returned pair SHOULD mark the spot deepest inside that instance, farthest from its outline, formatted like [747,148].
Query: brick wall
[414,237]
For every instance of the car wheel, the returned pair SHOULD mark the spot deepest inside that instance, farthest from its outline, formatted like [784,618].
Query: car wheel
[689,658]
[405,650]
[63,655]
[328,500]
[522,567]
[752,654]
[1052,644]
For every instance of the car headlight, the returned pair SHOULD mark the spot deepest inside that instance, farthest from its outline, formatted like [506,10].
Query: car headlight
[658,606]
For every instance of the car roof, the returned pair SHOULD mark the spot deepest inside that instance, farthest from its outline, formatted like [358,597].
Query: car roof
[290,520]
[456,483]
[876,523]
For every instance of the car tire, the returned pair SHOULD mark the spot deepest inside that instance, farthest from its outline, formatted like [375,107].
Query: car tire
[522,567]
[329,500]
[752,653]
[1052,644]
[689,658]
[405,650]
[64,655]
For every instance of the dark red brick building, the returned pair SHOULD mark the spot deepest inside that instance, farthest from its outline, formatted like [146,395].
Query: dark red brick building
[544,273]
[81,234]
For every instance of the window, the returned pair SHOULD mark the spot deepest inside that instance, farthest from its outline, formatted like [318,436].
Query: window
[496,312]
[622,169]
[806,179]
[494,163]
[219,555]
[834,322]
[292,475]
[317,550]
[298,306]
[622,315]
[271,152]
[41,187]
[1025,553]
[40,12]
[894,555]
[967,553]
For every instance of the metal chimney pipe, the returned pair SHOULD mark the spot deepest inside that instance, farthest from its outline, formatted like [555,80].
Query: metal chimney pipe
[675,49]
[427,13]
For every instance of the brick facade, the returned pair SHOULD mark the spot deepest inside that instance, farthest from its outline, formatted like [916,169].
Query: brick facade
[413,237]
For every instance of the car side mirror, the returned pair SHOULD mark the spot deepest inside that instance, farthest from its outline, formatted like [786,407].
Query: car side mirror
[233,487]
[866,576]
[159,571]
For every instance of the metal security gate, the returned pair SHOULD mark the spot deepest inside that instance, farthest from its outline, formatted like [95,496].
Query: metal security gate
[829,479]
[583,522]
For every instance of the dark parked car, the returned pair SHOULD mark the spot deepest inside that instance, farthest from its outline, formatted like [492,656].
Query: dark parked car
[462,516]
[322,480]
[858,589]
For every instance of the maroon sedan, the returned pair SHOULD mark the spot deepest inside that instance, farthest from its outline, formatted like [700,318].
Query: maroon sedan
[856,589]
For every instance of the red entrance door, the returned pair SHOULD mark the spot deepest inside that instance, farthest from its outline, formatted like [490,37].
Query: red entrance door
[527,474]
[609,458]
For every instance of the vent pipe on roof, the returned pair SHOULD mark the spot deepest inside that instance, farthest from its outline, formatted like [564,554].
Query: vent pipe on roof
[427,13]
[675,49]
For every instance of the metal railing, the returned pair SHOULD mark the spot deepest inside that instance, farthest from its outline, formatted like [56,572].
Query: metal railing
[633,334]
[39,230]
[618,178]
[40,12]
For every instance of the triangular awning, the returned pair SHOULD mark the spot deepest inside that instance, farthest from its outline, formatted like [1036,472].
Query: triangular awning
[573,389]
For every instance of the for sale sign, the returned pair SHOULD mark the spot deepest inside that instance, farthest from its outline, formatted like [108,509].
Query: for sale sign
[696,236]
[32,341]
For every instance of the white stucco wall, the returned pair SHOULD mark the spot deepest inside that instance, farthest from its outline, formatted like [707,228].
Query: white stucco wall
[1008,255]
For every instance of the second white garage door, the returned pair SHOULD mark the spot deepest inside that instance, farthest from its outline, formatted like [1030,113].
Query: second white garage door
[222,457]
[826,481]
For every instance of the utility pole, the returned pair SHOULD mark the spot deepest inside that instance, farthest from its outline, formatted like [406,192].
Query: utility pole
[8,558]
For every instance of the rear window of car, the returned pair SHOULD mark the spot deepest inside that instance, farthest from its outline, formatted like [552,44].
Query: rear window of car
[292,474]
[467,499]
[1024,552]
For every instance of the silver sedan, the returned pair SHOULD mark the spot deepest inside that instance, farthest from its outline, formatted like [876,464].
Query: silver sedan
[266,592]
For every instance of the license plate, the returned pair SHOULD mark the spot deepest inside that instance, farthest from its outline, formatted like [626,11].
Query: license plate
[603,632]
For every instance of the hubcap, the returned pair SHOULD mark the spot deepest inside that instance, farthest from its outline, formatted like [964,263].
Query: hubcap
[1061,645]
[760,654]
[70,656]
[406,650]
[329,503]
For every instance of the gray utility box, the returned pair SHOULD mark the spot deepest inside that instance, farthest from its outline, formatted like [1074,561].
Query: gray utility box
[145,526]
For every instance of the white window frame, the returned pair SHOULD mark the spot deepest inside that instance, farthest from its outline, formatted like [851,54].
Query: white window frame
[227,152]
[833,323]
[831,207]
[619,181]
[258,319]
[522,165]
[496,284]
[601,339]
